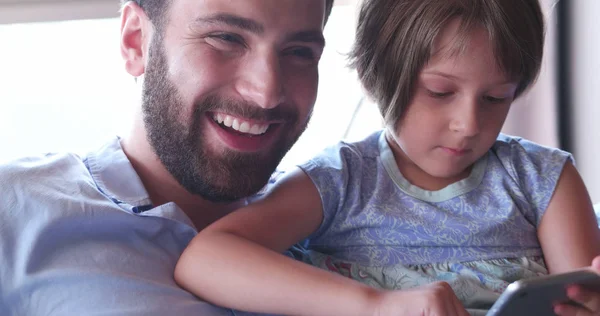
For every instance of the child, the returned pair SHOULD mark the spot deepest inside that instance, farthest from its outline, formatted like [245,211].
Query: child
[439,195]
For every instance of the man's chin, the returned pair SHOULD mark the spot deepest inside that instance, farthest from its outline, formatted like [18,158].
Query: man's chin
[229,183]
[230,194]
[226,153]
[234,175]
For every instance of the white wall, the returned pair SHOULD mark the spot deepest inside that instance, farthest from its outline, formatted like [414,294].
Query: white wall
[585,66]
[534,114]
[21,11]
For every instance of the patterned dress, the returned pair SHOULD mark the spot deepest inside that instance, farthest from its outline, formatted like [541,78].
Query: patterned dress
[478,234]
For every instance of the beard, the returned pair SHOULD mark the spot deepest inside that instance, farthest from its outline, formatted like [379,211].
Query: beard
[217,177]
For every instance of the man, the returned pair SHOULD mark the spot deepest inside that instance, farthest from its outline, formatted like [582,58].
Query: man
[227,87]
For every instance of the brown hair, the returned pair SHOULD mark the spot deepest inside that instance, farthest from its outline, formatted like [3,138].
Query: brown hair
[394,41]
[156,10]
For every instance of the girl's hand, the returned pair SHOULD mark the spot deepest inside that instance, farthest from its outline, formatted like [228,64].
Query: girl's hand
[434,299]
[590,300]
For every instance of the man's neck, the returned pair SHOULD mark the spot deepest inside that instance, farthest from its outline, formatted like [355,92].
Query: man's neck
[163,188]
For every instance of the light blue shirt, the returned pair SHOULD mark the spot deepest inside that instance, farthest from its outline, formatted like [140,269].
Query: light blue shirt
[80,237]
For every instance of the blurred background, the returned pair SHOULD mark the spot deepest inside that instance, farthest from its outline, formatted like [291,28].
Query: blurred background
[63,86]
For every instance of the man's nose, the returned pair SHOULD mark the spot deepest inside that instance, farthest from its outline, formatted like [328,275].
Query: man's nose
[261,81]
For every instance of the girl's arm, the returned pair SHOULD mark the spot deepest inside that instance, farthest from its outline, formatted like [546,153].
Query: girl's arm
[568,231]
[236,261]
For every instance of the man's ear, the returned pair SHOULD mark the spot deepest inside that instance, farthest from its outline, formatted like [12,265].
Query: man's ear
[136,31]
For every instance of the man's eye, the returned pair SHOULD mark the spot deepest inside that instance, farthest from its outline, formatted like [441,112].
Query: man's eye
[227,38]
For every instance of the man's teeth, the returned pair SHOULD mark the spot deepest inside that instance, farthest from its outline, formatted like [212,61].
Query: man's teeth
[240,125]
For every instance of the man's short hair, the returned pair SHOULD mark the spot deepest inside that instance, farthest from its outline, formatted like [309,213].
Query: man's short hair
[156,10]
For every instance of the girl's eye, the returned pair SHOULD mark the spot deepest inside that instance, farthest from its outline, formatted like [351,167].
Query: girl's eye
[303,52]
[491,99]
[439,95]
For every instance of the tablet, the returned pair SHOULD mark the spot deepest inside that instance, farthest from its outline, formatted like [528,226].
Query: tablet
[537,296]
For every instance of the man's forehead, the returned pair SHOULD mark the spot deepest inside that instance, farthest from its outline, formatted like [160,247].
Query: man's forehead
[292,15]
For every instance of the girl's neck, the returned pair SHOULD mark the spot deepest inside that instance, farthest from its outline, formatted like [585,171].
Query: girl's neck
[419,177]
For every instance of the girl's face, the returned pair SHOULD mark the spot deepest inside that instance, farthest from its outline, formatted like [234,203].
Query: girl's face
[457,111]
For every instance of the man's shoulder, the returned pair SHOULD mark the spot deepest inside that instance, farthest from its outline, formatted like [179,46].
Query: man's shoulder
[28,177]
[36,168]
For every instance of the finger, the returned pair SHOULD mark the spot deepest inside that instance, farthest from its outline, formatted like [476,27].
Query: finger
[445,299]
[457,306]
[596,264]
[454,304]
[589,299]
[451,305]
[447,302]
[460,309]
[570,310]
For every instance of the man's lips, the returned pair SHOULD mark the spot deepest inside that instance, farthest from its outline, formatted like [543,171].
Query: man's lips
[241,134]
[242,125]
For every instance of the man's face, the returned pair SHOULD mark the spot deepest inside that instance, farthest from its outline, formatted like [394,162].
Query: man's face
[228,89]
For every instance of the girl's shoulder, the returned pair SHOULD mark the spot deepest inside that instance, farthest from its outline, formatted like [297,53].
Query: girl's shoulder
[345,154]
[534,170]
[519,152]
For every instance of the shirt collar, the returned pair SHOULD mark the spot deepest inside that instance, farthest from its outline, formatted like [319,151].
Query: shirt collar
[114,175]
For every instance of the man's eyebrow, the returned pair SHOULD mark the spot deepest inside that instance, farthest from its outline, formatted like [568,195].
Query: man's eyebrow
[234,21]
[308,37]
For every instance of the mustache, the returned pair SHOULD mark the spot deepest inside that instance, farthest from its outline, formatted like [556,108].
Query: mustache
[245,109]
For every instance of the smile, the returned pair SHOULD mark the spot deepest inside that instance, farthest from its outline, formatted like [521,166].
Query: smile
[244,135]
[240,125]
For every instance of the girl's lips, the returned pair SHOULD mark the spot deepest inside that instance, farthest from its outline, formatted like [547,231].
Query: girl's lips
[455,151]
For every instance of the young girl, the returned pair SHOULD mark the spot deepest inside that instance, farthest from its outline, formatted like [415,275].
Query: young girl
[439,195]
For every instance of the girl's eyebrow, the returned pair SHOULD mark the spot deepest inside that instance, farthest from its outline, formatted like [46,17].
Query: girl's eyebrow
[457,78]
[442,74]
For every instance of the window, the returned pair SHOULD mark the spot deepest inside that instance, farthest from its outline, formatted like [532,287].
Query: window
[65,89]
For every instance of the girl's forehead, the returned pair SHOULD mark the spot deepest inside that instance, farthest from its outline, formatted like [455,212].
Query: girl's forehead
[465,50]
[473,60]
